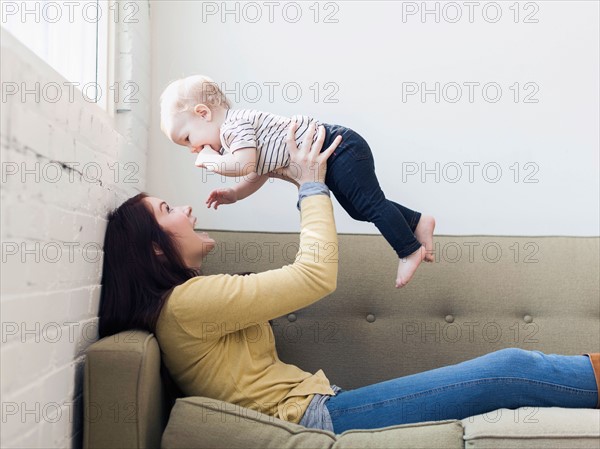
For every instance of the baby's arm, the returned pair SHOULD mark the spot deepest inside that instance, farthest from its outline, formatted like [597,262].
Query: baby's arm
[250,184]
[241,162]
[244,189]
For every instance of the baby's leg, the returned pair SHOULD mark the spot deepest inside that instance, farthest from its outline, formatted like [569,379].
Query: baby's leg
[394,229]
[421,226]
[353,181]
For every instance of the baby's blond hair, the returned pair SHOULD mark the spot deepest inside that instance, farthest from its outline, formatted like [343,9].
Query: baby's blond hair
[185,93]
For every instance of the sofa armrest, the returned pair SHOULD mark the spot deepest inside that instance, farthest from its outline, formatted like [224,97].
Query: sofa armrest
[124,402]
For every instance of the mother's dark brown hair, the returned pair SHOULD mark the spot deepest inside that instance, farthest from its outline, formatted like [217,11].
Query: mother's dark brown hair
[135,279]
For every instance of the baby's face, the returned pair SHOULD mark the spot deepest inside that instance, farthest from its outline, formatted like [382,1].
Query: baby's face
[195,130]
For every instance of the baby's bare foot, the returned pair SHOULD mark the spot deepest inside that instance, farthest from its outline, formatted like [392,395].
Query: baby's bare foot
[424,234]
[408,266]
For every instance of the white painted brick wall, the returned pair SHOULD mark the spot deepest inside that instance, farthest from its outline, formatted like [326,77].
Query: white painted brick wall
[50,286]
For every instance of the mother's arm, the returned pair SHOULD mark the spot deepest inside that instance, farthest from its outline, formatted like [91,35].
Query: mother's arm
[233,302]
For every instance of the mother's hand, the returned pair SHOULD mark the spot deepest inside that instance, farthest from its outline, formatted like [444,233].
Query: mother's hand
[307,163]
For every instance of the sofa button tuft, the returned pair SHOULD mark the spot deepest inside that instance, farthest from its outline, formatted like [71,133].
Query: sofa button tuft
[449,318]
[291,317]
[528,319]
[370,317]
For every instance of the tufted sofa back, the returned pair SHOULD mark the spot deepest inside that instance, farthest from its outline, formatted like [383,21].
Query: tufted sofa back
[482,294]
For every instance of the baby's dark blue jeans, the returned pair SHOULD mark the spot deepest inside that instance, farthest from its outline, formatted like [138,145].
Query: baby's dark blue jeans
[351,177]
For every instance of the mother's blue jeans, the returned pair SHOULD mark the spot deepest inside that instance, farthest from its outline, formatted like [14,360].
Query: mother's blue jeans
[508,378]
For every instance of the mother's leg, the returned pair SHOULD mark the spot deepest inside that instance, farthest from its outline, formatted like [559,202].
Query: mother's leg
[508,378]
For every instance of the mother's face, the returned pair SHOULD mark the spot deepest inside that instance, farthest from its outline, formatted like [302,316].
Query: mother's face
[179,222]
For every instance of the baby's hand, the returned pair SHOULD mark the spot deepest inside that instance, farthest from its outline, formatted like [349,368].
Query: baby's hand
[221,196]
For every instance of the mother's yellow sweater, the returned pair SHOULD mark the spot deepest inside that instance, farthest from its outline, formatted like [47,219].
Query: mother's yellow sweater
[214,333]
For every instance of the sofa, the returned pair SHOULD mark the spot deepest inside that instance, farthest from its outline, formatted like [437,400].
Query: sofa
[482,294]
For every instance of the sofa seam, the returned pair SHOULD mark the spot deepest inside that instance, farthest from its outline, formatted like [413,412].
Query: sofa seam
[453,422]
[529,437]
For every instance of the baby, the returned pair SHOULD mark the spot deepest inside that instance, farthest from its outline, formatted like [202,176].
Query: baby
[251,144]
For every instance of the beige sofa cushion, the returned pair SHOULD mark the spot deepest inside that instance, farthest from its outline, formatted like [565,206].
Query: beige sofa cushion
[210,423]
[431,435]
[533,427]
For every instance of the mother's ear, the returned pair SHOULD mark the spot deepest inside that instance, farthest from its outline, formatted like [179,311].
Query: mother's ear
[157,250]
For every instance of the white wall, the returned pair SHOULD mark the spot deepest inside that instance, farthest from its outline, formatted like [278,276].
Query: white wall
[53,224]
[369,55]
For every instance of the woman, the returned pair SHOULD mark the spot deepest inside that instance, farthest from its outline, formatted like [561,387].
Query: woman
[216,340]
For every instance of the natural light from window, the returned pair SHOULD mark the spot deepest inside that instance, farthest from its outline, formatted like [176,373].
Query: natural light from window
[71,36]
